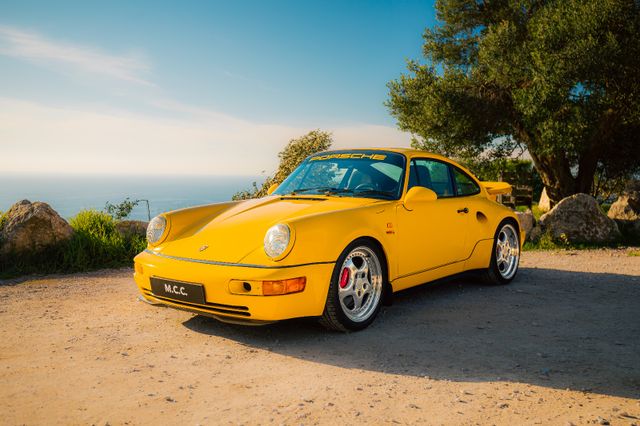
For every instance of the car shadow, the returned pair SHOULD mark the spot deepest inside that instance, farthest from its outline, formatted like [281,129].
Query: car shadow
[549,327]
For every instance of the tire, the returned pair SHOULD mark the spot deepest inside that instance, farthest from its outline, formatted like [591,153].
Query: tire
[505,254]
[357,287]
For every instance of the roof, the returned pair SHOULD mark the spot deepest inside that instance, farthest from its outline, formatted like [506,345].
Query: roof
[409,152]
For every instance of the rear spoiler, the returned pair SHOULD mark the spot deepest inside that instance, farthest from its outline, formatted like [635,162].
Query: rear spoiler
[497,188]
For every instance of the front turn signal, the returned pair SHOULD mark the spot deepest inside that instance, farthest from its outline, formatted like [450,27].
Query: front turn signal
[292,285]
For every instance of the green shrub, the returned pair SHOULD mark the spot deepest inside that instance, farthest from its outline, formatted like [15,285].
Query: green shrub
[95,244]
[99,224]
[3,220]
[121,211]
[546,242]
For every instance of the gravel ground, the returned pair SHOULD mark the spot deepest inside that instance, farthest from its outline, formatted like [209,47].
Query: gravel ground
[560,345]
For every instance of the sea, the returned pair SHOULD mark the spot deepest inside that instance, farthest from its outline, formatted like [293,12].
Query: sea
[69,194]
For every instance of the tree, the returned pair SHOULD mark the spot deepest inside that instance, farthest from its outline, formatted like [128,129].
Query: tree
[121,211]
[560,79]
[290,157]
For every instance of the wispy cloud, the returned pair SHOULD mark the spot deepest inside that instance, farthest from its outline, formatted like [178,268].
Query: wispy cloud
[41,138]
[171,137]
[33,46]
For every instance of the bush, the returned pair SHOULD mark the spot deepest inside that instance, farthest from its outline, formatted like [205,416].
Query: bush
[546,242]
[121,211]
[95,244]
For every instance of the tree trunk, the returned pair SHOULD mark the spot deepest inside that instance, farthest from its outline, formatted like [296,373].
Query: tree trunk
[555,173]
[586,172]
[555,170]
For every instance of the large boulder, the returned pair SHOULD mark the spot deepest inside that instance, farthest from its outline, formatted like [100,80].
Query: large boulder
[32,227]
[578,219]
[132,227]
[527,222]
[626,211]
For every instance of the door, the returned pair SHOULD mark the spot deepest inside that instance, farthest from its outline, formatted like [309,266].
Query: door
[433,233]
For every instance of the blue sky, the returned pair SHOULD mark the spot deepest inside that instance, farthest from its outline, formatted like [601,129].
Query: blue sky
[196,87]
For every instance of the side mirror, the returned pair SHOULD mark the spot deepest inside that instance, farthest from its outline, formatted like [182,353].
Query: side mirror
[272,188]
[418,195]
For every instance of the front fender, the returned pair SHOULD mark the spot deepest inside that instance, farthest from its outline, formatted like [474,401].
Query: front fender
[323,236]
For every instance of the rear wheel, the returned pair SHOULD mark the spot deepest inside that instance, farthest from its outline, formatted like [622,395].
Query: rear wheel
[505,256]
[355,292]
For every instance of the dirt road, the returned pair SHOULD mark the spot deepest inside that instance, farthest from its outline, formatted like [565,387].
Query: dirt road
[560,345]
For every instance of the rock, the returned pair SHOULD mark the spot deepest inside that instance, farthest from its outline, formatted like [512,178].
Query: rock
[535,234]
[626,211]
[545,203]
[31,227]
[527,221]
[132,227]
[578,219]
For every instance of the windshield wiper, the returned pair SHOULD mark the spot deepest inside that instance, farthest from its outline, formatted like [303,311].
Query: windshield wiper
[388,194]
[327,190]
[336,191]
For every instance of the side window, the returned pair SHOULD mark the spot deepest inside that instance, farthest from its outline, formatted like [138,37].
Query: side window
[464,184]
[433,175]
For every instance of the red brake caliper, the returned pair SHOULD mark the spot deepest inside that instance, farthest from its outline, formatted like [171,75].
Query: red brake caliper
[344,277]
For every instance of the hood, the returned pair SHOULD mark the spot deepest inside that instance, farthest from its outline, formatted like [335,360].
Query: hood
[236,232]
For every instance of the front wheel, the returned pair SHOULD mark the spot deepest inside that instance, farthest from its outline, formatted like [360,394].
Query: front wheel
[505,257]
[355,292]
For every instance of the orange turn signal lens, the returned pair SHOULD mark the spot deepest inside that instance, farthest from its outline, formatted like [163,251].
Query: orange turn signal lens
[139,269]
[292,285]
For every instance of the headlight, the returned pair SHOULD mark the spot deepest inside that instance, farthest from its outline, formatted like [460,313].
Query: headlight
[276,240]
[156,229]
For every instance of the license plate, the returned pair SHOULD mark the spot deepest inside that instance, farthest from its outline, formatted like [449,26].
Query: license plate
[186,292]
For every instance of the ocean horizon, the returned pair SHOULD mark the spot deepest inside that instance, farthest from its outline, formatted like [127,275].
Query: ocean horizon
[69,194]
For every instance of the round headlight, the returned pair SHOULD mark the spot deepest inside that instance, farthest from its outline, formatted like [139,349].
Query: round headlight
[155,229]
[276,240]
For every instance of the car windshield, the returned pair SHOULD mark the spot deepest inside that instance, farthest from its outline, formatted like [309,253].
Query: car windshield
[371,174]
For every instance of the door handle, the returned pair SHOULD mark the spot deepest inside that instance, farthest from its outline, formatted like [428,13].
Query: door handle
[465,210]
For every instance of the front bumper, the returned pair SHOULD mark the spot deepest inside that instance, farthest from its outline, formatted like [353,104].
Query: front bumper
[220,302]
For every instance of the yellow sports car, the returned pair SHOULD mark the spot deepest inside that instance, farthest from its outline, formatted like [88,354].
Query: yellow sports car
[334,240]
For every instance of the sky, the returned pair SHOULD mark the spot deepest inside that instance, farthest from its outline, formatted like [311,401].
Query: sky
[196,87]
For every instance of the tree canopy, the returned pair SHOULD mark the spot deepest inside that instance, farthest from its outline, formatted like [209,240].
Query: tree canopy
[559,79]
[290,157]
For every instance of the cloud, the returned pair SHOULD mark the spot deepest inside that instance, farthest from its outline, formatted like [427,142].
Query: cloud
[32,46]
[45,138]
[37,138]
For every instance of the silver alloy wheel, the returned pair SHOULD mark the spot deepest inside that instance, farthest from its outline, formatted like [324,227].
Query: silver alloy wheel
[360,284]
[507,251]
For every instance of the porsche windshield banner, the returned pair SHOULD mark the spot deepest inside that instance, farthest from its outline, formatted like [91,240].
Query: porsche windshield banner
[349,155]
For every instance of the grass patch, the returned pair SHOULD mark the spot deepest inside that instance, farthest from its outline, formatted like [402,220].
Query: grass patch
[4,218]
[634,253]
[95,244]
[546,242]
